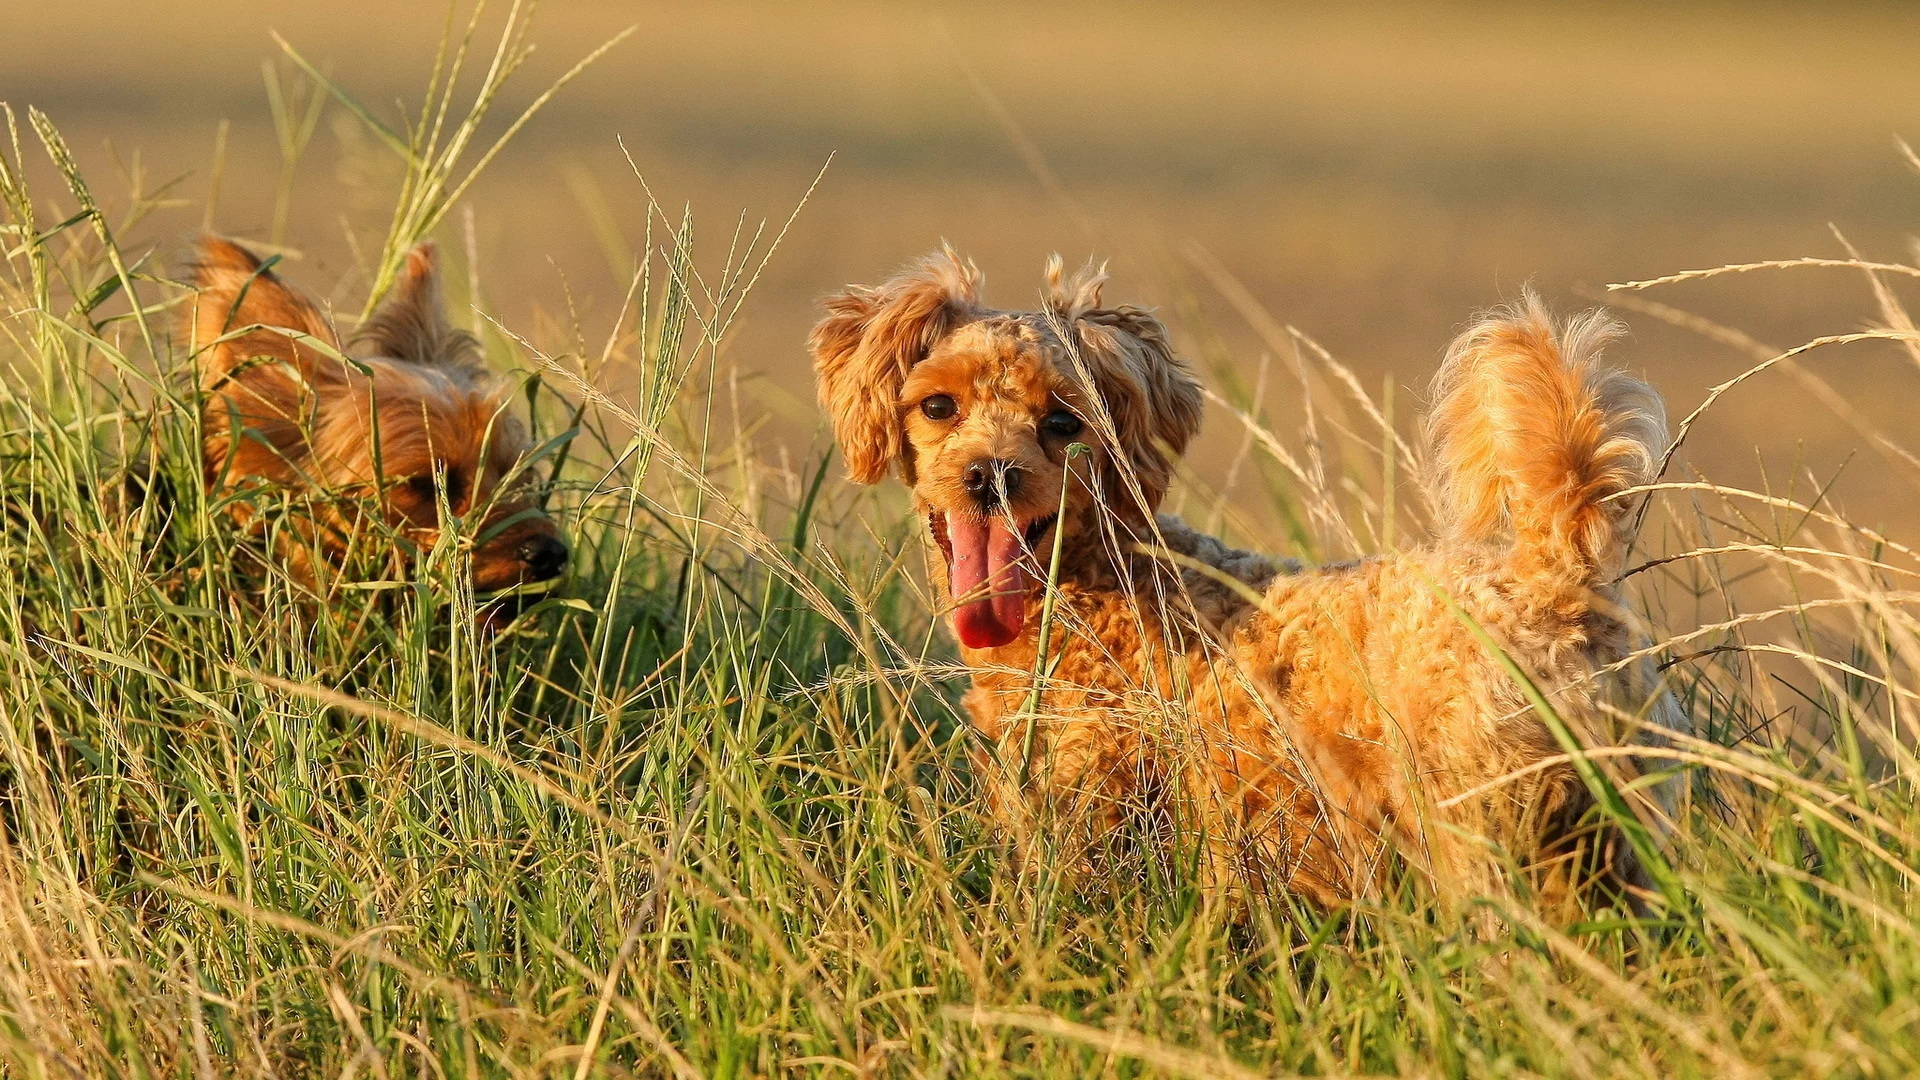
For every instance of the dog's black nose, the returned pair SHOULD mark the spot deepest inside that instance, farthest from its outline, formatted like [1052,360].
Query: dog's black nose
[987,481]
[545,557]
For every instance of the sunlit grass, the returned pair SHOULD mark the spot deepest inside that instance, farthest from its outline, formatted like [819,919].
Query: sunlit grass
[705,810]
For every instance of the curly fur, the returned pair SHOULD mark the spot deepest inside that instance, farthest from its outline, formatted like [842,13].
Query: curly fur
[872,337]
[1301,721]
[1540,450]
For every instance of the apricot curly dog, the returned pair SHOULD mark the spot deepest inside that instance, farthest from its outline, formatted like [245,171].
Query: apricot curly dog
[1301,721]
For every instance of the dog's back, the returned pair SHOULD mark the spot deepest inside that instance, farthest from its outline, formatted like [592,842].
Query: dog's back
[1380,700]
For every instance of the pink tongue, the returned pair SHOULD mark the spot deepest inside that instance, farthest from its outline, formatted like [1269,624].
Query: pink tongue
[988,580]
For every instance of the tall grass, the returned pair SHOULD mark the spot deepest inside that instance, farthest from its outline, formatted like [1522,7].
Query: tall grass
[704,810]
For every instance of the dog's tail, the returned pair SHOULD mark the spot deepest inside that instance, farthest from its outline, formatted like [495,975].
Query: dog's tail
[1533,440]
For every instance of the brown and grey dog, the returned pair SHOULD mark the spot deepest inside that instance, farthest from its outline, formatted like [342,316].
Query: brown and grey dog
[412,425]
[1301,720]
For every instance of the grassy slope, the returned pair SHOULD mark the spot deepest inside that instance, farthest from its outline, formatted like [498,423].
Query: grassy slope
[705,812]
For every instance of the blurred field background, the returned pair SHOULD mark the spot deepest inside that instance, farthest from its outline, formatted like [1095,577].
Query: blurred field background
[1370,176]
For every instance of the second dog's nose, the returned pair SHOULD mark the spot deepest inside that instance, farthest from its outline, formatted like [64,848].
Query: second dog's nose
[988,480]
[545,556]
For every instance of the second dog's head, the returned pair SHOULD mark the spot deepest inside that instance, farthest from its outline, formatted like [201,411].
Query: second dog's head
[413,424]
[977,408]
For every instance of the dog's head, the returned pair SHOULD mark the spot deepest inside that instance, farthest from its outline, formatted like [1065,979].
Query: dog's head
[411,425]
[977,408]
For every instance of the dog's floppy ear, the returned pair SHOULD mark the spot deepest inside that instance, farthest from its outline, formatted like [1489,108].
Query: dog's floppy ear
[1149,394]
[237,291]
[868,342]
[411,323]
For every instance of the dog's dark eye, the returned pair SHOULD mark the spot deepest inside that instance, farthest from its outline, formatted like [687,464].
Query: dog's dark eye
[427,491]
[938,407]
[1062,423]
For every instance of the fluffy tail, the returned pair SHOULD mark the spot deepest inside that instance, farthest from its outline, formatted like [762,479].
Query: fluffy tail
[1533,439]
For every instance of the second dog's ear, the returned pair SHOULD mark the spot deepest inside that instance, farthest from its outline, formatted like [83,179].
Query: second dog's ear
[868,342]
[1153,399]
[237,291]
[1150,397]
[411,323]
